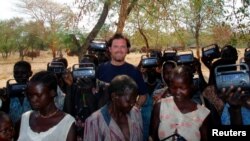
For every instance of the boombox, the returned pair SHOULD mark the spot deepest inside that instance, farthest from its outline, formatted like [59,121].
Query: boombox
[56,67]
[169,55]
[15,89]
[237,78]
[83,70]
[211,51]
[100,46]
[184,57]
[149,62]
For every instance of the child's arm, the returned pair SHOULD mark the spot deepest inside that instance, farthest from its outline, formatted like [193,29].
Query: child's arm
[72,133]
[204,129]
[155,120]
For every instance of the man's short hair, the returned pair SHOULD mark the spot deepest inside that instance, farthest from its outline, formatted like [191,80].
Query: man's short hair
[118,36]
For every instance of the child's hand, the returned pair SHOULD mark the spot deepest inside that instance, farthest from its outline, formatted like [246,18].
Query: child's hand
[68,78]
[157,97]
[233,96]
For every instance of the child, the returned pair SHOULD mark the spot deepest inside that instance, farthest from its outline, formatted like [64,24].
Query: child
[82,102]
[167,68]
[64,81]
[178,115]
[45,121]
[6,127]
[18,103]
[119,119]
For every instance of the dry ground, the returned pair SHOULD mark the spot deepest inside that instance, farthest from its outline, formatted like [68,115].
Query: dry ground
[40,63]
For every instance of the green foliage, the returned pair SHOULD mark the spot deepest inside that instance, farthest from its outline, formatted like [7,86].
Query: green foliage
[8,35]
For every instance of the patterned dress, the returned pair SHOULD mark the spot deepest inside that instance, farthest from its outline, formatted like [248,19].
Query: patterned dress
[186,125]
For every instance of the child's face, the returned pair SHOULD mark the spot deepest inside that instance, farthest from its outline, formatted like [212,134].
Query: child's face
[39,95]
[21,74]
[180,89]
[166,73]
[126,102]
[6,130]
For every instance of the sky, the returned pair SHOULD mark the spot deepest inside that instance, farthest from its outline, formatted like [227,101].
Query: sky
[7,8]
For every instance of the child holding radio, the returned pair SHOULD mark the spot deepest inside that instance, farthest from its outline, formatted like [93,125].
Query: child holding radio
[236,110]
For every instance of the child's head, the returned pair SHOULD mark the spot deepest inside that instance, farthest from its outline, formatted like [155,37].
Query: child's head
[123,91]
[6,127]
[181,82]
[167,68]
[229,52]
[22,71]
[61,60]
[42,89]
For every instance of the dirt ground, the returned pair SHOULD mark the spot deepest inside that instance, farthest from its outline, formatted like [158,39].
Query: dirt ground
[40,63]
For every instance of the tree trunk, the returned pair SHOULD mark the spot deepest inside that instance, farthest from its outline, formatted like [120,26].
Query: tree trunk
[197,36]
[83,49]
[124,12]
[145,39]
[197,41]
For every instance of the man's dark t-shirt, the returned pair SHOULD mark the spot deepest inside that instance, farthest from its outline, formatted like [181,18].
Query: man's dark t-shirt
[106,72]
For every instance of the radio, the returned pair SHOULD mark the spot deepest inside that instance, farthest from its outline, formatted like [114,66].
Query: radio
[238,78]
[83,70]
[100,46]
[56,67]
[149,62]
[15,89]
[184,57]
[169,55]
[211,51]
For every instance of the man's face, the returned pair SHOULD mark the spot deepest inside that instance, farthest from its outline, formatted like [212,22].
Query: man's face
[118,50]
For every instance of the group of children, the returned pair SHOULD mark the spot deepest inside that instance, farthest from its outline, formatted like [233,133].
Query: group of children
[55,106]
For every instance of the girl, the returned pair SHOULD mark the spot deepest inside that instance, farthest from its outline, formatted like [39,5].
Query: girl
[45,121]
[178,115]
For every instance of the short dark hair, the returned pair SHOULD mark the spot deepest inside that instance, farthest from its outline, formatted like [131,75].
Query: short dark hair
[171,63]
[229,52]
[62,60]
[47,78]
[184,72]
[120,83]
[118,36]
[24,64]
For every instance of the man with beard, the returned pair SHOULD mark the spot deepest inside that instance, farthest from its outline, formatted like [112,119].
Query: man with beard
[118,47]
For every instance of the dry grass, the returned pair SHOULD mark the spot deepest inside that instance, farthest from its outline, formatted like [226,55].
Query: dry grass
[40,63]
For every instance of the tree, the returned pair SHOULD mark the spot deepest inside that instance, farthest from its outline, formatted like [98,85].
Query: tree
[200,14]
[238,17]
[83,49]
[9,35]
[51,15]
[125,8]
